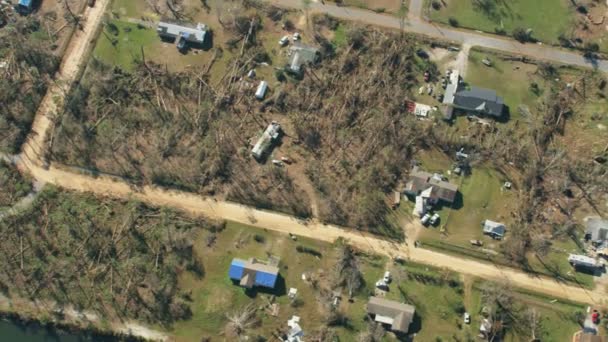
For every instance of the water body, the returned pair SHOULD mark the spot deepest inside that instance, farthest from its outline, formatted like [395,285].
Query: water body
[12,331]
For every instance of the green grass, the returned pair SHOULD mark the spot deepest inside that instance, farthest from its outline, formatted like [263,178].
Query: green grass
[510,80]
[125,48]
[547,18]
[340,38]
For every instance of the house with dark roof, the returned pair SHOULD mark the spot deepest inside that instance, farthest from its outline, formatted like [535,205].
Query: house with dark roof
[252,272]
[185,36]
[479,101]
[397,316]
[597,231]
[300,56]
[431,187]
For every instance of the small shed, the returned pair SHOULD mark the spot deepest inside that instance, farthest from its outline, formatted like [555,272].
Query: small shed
[270,135]
[261,91]
[597,230]
[25,7]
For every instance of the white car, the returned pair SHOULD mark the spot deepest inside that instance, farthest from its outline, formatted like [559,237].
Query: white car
[387,277]
[467,318]
[296,36]
[425,219]
[382,285]
[434,219]
[284,41]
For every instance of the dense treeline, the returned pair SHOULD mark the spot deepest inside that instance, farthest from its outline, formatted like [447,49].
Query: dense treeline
[13,186]
[116,258]
[26,69]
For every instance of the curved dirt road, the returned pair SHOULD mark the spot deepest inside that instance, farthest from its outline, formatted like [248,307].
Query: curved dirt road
[417,25]
[31,161]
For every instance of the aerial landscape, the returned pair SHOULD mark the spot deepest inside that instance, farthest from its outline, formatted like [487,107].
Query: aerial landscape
[304,170]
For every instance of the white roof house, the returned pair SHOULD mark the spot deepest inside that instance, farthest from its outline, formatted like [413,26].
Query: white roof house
[494,229]
[184,34]
[295,333]
[583,261]
[271,133]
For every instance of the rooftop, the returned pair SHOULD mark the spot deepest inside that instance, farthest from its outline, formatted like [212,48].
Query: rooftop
[191,34]
[480,100]
[300,55]
[398,315]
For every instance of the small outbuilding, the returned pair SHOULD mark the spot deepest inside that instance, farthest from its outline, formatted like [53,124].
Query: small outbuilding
[584,262]
[494,229]
[25,7]
[397,316]
[260,92]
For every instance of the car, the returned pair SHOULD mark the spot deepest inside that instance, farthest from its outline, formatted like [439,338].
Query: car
[478,243]
[467,318]
[434,219]
[277,162]
[595,317]
[382,285]
[425,219]
[284,41]
[387,277]
[296,36]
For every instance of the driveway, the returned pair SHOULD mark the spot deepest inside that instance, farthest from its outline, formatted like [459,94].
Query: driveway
[415,24]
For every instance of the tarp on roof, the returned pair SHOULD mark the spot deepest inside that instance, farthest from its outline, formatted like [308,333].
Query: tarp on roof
[26,3]
[236,270]
[265,279]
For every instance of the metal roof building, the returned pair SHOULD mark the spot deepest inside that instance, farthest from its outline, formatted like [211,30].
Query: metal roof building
[302,55]
[480,100]
[398,315]
[252,273]
[271,133]
[494,229]
[597,230]
[184,35]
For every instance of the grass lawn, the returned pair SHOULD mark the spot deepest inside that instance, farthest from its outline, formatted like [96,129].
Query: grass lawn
[547,18]
[389,6]
[124,49]
[511,80]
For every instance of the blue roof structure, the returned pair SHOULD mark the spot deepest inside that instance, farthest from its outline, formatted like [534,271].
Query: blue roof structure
[237,267]
[26,3]
[253,273]
[265,279]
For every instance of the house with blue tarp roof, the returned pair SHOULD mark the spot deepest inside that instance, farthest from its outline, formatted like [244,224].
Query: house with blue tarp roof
[253,272]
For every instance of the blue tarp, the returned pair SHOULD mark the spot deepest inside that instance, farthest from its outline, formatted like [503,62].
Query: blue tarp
[236,269]
[26,3]
[265,279]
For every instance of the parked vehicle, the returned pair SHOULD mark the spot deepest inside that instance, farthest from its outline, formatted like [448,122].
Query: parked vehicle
[277,162]
[478,243]
[387,277]
[284,41]
[382,285]
[425,219]
[434,219]
[296,36]
[467,318]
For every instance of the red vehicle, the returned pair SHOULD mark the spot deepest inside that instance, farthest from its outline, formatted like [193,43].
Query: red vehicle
[595,317]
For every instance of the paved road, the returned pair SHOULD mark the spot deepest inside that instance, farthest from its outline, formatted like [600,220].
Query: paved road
[415,24]
[31,162]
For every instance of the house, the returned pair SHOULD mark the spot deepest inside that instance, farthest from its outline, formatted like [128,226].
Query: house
[295,333]
[301,55]
[584,336]
[397,315]
[25,7]
[485,328]
[431,187]
[479,101]
[270,135]
[185,36]
[253,272]
[494,229]
[597,231]
[453,83]
[583,261]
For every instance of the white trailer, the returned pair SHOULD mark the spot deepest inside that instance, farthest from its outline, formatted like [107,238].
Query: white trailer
[583,261]
[261,91]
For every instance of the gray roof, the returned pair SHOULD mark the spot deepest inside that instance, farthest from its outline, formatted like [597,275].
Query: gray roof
[421,180]
[597,229]
[480,100]
[402,314]
[191,34]
[494,228]
[301,55]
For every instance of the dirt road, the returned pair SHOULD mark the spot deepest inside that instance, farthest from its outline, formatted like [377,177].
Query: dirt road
[31,162]
[418,25]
